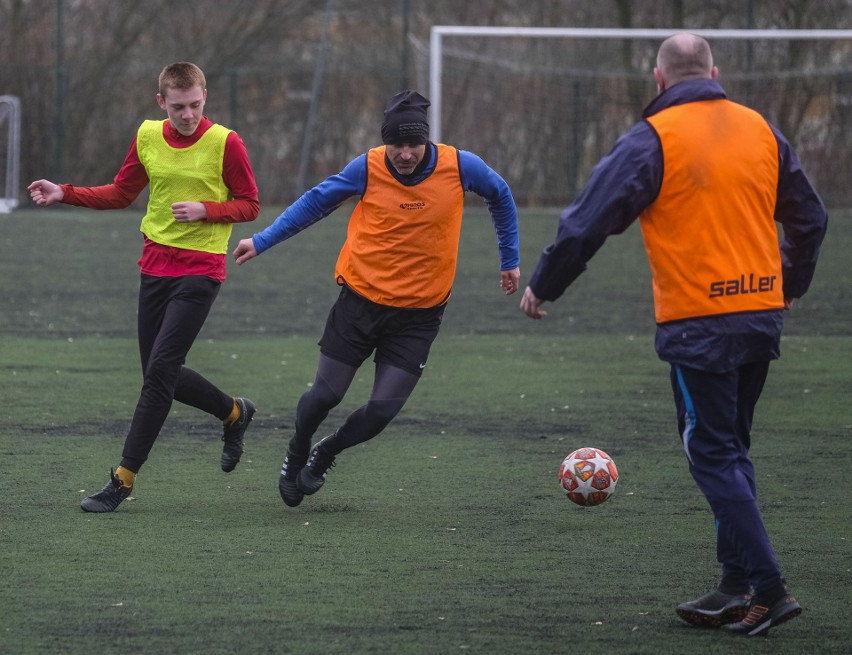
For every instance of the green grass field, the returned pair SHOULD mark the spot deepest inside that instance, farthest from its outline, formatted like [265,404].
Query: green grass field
[445,534]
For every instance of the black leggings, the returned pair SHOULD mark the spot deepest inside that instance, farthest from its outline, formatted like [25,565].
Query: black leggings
[391,388]
[172,311]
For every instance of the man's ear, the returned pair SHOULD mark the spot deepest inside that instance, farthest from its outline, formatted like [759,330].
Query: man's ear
[660,79]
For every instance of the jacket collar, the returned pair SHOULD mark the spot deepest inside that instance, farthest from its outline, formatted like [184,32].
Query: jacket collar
[684,92]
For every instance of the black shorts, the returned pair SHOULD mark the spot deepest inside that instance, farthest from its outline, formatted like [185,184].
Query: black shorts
[401,337]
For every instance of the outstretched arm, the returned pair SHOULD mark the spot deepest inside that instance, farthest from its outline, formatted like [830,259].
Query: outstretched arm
[315,204]
[621,186]
[127,185]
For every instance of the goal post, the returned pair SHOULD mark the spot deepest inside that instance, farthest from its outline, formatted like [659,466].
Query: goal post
[438,32]
[10,117]
[543,105]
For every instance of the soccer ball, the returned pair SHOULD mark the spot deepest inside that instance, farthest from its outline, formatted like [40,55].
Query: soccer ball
[588,476]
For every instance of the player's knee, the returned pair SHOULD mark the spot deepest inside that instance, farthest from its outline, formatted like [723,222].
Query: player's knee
[379,413]
[319,399]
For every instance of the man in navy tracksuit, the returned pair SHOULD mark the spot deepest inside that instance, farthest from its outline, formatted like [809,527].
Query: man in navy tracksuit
[708,179]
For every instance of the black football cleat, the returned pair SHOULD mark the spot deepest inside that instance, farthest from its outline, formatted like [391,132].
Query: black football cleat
[312,476]
[233,435]
[761,617]
[108,498]
[288,486]
[715,609]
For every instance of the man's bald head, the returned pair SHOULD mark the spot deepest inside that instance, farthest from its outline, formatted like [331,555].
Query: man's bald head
[684,57]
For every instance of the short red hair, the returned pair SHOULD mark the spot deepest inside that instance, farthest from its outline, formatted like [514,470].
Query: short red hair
[181,75]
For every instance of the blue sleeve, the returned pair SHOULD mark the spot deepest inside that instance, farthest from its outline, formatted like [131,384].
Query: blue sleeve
[803,218]
[315,204]
[478,177]
[621,186]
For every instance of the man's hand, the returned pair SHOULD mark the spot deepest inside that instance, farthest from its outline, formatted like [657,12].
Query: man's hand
[189,211]
[45,193]
[531,306]
[244,251]
[509,280]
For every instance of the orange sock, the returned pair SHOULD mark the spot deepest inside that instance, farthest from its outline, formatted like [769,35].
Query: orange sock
[235,413]
[126,476]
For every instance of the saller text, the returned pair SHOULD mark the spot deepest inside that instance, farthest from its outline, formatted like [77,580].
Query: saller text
[751,284]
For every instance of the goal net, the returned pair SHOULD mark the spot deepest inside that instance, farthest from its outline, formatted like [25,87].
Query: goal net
[10,155]
[543,105]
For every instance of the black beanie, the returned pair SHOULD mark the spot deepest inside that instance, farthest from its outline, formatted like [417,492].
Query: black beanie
[405,119]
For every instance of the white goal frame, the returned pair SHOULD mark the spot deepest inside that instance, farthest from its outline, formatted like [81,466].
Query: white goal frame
[10,110]
[438,32]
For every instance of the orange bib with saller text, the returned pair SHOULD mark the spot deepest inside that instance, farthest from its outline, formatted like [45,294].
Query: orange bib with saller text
[711,236]
[402,243]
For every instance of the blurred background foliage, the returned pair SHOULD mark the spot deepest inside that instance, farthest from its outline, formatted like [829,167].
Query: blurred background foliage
[304,81]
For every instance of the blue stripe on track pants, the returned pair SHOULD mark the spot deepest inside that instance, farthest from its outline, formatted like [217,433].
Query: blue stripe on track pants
[714,413]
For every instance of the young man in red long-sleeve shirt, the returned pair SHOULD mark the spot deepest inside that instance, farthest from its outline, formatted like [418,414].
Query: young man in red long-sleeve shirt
[201,183]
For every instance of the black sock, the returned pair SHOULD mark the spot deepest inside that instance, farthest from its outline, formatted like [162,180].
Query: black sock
[734,583]
[771,595]
[299,448]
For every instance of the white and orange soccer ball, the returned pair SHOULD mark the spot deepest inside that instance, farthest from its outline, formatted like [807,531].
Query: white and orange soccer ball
[588,476]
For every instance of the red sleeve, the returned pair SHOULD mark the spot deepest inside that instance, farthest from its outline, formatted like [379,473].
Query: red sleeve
[127,185]
[239,178]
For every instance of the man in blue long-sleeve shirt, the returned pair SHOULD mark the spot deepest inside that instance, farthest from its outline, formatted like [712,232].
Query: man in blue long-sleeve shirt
[708,179]
[396,270]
